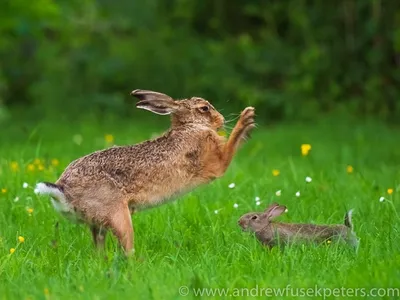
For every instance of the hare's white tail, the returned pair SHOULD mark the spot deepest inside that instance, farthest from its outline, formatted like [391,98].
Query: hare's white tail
[347,219]
[57,195]
[352,238]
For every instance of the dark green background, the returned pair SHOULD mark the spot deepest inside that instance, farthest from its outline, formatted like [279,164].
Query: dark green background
[292,59]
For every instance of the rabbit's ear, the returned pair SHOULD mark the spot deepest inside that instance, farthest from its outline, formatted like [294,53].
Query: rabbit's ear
[150,95]
[274,210]
[155,102]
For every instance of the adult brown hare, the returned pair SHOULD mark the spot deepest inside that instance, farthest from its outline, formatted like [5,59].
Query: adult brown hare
[105,187]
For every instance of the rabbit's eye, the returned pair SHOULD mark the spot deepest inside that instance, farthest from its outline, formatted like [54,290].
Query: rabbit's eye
[254,217]
[204,108]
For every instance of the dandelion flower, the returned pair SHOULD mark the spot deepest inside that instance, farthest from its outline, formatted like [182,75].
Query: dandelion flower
[381,199]
[222,133]
[305,149]
[40,167]
[349,169]
[12,250]
[14,166]
[3,190]
[232,185]
[31,167]
[308,179]
[21,239]
[275,173]
[278,193]
[55,162]
[329,241]
[235,205]
[257,198]
[29,210]
[25,185]
[37,161]
[390,191]
[298,194]
[109,138]
[258,203]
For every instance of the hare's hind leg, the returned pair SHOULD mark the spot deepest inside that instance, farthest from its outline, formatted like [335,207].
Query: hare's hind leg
[99,236]
[121,225]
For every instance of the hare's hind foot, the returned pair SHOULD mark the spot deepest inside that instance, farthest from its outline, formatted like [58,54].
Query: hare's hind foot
[99,236]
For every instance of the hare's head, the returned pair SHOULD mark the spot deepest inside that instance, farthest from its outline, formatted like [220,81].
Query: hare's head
[194,110]
[256,221]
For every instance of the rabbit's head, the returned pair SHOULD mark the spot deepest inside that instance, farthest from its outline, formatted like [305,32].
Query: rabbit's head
[194,110]
[256,221]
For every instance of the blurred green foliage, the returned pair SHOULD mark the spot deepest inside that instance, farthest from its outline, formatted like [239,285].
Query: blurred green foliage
[292,59]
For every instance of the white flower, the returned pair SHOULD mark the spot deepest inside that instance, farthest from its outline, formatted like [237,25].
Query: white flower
[235,205]
[286,210]
[25,185]
[257,198]
[258,203]
[381,199]
[308,179]
[16,199]
[278,193]
[216,211]
[232,185]
[298,194]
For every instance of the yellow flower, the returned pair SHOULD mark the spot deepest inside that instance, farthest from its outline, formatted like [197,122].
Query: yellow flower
[14,166]
[305,149]
[390,191]
[12,250]
[222,132]
[41,167]
[37,161]
[29,210]
[55,162]
[46,291]
[31,167]
[3,190]
[109,138]
[21,239]
[275,172]
[329,241]
[349,169]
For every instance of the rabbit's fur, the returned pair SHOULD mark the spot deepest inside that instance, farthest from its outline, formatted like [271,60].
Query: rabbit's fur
[104,188]
[272,233]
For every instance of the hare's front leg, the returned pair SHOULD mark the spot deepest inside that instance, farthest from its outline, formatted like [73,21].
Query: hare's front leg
[121,225]
[239,133]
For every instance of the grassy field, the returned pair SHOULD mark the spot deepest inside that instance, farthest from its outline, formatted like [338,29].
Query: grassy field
[185,243]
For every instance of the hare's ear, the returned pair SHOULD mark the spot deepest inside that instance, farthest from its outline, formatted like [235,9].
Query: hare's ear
[155,102]
[274,210]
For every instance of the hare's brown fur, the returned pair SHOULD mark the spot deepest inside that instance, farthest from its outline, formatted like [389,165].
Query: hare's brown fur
[105,187]
[271,233]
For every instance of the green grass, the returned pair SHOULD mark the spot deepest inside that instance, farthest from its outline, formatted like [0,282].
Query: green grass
[184,243]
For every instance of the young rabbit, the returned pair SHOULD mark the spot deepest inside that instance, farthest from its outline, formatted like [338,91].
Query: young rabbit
[272,233]
[105,187]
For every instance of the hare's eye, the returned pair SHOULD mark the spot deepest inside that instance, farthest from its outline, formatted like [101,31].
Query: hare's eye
[254,217]
[204,108]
